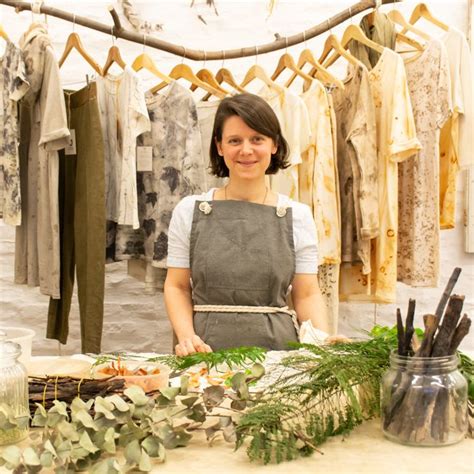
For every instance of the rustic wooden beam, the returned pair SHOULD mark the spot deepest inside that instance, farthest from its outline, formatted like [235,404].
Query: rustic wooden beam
[198,55]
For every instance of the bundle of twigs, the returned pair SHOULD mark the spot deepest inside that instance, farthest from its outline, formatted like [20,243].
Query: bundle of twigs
[417,415]
[45,390]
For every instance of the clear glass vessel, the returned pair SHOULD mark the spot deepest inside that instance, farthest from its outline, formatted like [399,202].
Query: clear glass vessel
[14,408]
[424,401]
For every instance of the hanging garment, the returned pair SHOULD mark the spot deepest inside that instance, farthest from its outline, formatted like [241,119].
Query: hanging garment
[37,253]
[318,188]
[418,176]
[295,125]
[456,135]
[123,118]
[396,141]
[206,111]
[82,224]
[13,86]
[178,170]
[382,31]
[357,166]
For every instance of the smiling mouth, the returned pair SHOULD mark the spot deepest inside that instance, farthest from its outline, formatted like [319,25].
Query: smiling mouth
[246,163]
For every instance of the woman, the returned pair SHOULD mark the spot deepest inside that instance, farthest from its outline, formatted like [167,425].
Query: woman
[242,244]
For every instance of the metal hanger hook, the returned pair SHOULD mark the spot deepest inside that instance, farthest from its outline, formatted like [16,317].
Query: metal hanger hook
[112,34]
[304,39]
[144,42]
[256,54]
[184,55]
[223,58]
[286,44]
[73,22]
[205,58]
[350,14]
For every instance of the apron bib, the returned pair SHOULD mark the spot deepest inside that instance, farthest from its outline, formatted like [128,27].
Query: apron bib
[242,254]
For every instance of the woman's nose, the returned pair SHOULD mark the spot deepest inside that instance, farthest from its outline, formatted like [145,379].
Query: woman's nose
[246,147]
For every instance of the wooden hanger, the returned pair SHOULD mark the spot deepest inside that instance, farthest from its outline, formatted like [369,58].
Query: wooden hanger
[74,42]
[306,57]
[224,75]
[3,34]
[422,10]
[114,56]
[286,61]
[399,19]
[355,33]
[144,61]
[333,44]
[257,72]
[183,71]
[206,75]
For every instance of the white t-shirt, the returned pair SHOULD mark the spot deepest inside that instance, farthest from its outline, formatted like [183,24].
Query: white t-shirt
[304,232]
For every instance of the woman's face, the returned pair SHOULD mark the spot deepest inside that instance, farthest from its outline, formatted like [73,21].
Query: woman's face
[246,152]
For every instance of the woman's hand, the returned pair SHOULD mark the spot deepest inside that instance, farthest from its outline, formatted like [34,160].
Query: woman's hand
[190,345]
[337,339]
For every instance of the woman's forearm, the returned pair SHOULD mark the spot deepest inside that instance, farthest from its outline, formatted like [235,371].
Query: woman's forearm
[306,309]
[179,306]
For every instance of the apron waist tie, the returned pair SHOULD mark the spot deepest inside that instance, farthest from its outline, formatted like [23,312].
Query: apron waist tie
[221,308]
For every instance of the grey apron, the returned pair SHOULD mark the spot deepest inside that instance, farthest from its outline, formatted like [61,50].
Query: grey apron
[242,253]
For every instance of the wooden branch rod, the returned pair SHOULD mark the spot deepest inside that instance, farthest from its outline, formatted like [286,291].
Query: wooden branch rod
[198,55]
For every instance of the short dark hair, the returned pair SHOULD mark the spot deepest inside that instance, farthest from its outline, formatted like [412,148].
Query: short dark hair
[258,115]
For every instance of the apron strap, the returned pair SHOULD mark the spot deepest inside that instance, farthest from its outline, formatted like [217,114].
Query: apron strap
[217,308]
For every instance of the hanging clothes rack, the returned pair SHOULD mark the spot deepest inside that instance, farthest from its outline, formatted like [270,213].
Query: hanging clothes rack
[119,31]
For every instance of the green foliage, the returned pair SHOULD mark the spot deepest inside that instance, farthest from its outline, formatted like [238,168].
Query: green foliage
[331,390]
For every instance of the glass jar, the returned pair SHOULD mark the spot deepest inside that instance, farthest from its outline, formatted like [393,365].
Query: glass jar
[14,409]
[424,401]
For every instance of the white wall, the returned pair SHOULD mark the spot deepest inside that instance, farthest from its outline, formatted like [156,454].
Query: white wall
[136,321]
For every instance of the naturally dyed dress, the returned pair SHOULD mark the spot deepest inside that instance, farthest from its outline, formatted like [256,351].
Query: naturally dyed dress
[418,176]
[178,170]
[13,86]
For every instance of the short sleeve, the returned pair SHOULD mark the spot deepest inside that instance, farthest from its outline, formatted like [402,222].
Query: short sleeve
[19,85]
[54,130]
[305,240]
[179,234]
[403,142]
[140,120]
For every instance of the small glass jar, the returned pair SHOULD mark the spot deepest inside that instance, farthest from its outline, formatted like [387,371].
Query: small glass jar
[424,401]
[13,394]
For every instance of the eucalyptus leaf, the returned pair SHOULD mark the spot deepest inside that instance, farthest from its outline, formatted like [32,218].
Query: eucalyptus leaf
[30,457]
[59,407]
[46,459]
[68,430]
[6,422]
[152,446]
[133,452]
[107,466]
[109,441]
[213,395]
[84,418]
[184,384]
[159,414]
[238,405]
[105,407]
[40,417]
[229,433]
[64,449]
[257,371]
[170,392]
[86,443]
[136,395]
[240,386]
[50,448]
[145,464]
[78,405]
[189,401]
[198,413]
[12,455]
[119,403]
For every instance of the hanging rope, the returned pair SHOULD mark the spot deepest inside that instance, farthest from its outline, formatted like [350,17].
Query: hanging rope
[119,32]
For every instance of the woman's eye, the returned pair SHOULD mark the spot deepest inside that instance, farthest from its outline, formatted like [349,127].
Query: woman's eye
[258,139]
[233,141]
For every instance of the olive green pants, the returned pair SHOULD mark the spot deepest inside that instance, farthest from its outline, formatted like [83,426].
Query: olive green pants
[82,224]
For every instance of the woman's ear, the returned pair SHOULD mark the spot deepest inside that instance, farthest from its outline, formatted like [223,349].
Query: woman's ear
[274,148]
[218,146]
